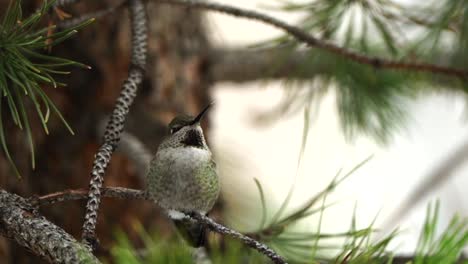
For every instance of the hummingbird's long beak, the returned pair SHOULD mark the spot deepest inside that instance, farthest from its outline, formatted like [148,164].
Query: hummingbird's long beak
[201,114]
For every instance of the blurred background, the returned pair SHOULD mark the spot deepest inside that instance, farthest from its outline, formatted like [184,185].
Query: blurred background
[287,117]
[435,128]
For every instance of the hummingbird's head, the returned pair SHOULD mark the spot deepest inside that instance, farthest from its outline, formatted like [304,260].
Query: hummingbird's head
[181,121]
[186,129]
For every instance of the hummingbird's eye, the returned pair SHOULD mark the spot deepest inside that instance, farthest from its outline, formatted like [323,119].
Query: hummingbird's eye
[175,129]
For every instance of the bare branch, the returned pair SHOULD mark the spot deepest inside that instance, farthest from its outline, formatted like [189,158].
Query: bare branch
[310,40]
[80,194]
[116,122]
[20,222]
[125,193]
[68,23]
[218,228]
[241,65]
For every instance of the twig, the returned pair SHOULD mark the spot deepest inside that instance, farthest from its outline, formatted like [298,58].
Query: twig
[134,149]
[218,228]
[310,40]
[80,194]
[116,122]
[125,193]
[19,222]
[68,23]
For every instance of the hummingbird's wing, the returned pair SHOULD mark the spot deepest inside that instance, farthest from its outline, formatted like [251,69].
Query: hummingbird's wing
[208,182]
[207,179]
[157,183]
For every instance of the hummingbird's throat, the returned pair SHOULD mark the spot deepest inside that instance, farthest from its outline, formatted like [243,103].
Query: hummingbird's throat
[193,138]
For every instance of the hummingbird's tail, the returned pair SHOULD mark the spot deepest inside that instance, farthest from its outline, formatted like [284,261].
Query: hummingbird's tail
[192,231]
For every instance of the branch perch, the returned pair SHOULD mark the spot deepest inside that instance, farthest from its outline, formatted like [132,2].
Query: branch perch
[115,125]
[218,228]
[312,41]
[126,194]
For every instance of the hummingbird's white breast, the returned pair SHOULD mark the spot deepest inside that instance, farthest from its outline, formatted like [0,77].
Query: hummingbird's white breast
[177,179]
[185,157]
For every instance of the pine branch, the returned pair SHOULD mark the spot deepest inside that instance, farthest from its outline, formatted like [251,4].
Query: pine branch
[115,125]
[20,222]
[302,36]
[24,68]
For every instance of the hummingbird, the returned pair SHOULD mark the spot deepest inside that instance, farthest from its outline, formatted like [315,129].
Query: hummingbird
[182,176]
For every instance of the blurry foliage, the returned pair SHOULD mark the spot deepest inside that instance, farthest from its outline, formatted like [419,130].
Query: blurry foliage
[24,69]
[372,100]
[168,250]
[171,249]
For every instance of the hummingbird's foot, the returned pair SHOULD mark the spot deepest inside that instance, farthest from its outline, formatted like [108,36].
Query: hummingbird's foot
[176,215]
[191,229]
[92,242]
[191,214]
[194,214]
[32,205]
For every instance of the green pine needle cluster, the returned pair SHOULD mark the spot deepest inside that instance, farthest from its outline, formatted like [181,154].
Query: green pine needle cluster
[25,69]
[303,246]
[372,100]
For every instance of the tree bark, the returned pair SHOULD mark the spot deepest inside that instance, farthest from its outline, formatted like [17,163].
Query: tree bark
[21,223]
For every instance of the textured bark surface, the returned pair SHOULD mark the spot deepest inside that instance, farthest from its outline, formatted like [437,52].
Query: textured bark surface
[20,222]
[115,125]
